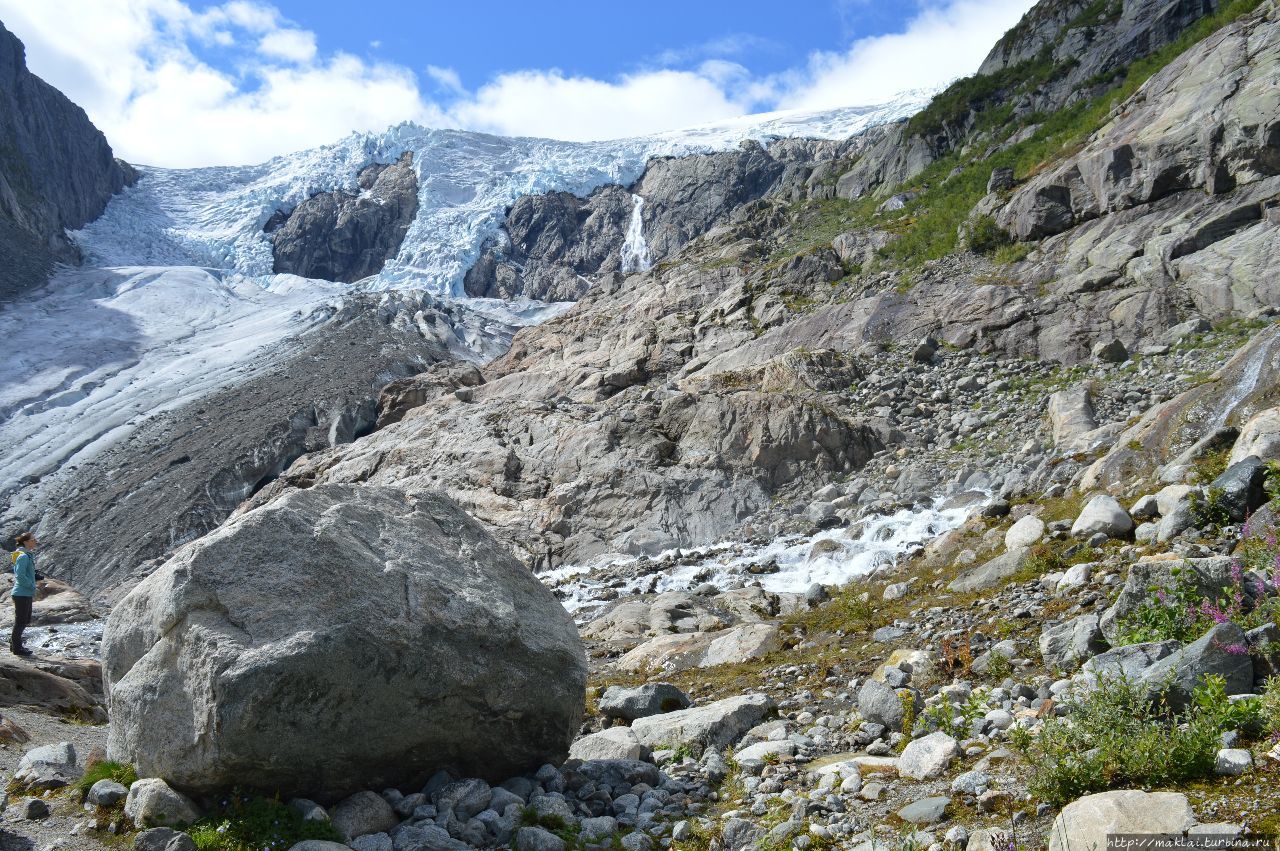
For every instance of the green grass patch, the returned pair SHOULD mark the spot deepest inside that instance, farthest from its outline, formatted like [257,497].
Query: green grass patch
[255,823]
[122,773]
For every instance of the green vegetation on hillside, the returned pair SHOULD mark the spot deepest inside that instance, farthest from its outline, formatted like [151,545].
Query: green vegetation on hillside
[928,226]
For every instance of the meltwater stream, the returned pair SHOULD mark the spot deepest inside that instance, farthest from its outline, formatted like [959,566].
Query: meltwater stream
[789,564]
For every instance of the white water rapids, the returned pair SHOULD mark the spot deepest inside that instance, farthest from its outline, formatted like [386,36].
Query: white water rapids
[800,561]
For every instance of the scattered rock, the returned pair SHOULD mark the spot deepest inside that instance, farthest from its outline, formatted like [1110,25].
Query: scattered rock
[153,803]
[1103,514]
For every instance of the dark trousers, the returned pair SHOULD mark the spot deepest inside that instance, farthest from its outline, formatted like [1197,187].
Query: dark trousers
[21,618]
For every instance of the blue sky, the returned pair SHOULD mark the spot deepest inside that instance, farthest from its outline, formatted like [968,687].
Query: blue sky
[597,39]
[199,82]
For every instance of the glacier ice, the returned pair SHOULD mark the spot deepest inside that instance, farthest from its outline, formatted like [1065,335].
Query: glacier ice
[213,217]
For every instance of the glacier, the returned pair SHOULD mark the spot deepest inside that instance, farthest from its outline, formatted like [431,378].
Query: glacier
[176,297]
[213,217]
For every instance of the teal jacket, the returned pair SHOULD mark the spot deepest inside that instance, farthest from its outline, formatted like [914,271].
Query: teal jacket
[24,572]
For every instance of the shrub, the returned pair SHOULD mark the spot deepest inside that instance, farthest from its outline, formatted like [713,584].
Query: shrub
[1269,709]
[1209,510]
[1114,737]
[985,236]
[999,667]
[256,823]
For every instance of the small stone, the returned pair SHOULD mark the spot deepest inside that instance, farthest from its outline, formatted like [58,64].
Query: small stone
[537,839]
[163,839]
[107,793]
[1232,762]
[363,813]
[153,803]
[925,811]
[928,757]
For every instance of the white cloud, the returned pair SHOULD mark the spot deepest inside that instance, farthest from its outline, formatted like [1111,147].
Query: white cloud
[944,41]
[446,79]
[142,70]
[290,45]
[547,103]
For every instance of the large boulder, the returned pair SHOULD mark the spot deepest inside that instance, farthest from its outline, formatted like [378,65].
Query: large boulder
[1085,823]
[392,624]
[1071,415]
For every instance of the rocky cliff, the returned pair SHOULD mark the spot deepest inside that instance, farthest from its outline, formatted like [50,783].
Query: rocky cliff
[57,172]
[339,236]
[553,246]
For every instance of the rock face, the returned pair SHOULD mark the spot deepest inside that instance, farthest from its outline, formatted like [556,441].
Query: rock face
[340,236]
[554,245]
[407,634]
[550,243]
[57,173]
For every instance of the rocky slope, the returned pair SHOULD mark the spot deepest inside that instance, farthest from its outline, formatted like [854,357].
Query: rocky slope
[56,172]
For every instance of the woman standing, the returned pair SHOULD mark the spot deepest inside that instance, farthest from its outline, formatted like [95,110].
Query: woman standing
[24,590]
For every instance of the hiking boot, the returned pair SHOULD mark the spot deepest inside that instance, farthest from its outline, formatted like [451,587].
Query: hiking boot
[21,651]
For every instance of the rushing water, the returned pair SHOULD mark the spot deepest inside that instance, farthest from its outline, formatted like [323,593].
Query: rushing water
[635,251]
[787,564]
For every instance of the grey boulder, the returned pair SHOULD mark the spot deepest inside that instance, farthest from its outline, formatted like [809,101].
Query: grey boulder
[361,814]
[163,839]
[1222,651]
[393,623]
[153,803]
[715,725]
[642,701]
[1103,514]
[1240,489]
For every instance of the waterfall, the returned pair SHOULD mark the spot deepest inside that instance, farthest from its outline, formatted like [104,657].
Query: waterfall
[635,251]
